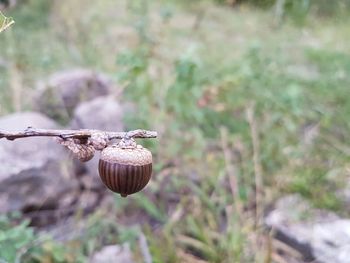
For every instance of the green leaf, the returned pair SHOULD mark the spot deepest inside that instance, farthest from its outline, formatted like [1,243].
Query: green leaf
[5,22]
[149,207]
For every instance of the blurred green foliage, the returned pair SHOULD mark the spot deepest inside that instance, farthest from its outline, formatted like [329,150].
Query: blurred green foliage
[296,10]
[13,238]
[19,242]
[322,7]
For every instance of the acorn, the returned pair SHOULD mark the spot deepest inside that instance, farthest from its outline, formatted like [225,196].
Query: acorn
[125,168]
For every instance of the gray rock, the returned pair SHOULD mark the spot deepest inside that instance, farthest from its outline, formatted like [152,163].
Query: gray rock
[34,172]
[61,94]
[103,113]
[7,4]
[113,254]
[317,234]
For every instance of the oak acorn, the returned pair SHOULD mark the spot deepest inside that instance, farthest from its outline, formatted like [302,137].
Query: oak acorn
[125,168]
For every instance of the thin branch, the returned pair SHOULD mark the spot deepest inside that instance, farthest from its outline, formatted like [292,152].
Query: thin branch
[256,157]
[75,134]
[259,185]
[145,249]
[5,22]
[231,171]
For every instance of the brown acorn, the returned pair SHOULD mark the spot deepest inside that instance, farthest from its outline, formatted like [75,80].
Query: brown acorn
[125,168]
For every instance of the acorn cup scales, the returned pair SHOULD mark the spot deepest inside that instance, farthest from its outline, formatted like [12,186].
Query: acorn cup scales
[125,169]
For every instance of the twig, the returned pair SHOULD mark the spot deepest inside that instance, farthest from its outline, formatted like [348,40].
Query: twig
[75,134]
[82,143]
[231,171]
[256,160]
[199,19]
[6,22]
[279,11]
[257,172]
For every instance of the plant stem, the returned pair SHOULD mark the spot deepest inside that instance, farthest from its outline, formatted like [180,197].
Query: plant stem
[74,134]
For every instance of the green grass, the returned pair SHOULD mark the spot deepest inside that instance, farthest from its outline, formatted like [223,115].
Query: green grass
[197,76]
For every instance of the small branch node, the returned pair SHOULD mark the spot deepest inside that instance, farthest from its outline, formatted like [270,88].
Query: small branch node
[94,138]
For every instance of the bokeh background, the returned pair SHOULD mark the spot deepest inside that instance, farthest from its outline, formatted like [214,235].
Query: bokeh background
[251,103]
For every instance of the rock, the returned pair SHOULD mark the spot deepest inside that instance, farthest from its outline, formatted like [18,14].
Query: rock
[7,4]
[317,234]
[113,254]
[90,181]
[34,172]
[88,200]
[61,94]
[62,223]
[103,113]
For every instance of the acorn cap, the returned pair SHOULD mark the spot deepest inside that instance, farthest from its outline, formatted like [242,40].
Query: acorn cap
[129,156]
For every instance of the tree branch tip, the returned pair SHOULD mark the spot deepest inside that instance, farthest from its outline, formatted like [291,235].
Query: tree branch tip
[82,134]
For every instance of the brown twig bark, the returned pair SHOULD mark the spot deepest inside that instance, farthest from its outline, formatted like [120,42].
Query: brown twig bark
[259,187]
[75,134]
[231,171]
[82,143]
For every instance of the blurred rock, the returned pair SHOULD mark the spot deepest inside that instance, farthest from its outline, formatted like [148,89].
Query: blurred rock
[7,4]
[103,113]
[34,172]
[61,94]
[88,200]
[90,181]
[113,254]
[71,222]
[317,234]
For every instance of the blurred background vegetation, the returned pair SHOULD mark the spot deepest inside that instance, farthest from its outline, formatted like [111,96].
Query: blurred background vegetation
[236,90]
